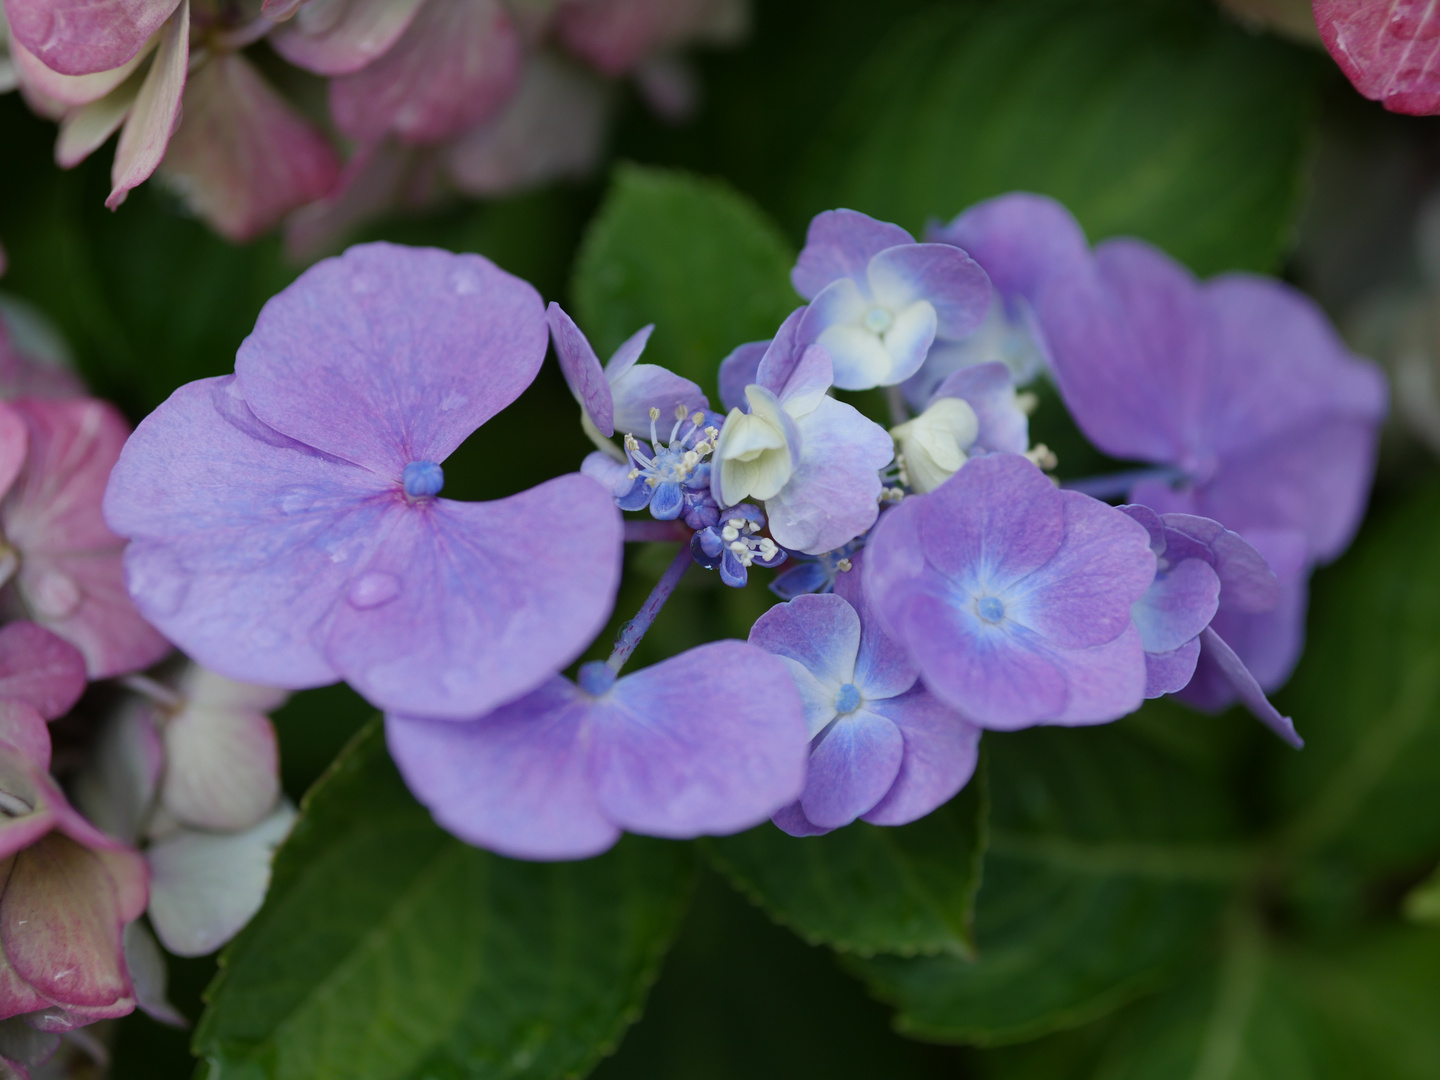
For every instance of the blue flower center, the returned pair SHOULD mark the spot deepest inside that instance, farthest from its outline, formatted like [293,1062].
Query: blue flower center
[422,479]
[596,677]
[990,609]
[848,699]
[878,320]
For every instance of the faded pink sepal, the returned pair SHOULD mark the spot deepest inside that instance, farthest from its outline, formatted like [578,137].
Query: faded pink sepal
[337,37]
[553,127]
[69,90]
[241,157]
[71,576]
[39,669]
[1390,50]
[279,10]
[14,444]
[80,37]
[221,758]
[615,35]
[86,129]
[23,731]
[454,68]
[156,110]
[30,375]
[60,925]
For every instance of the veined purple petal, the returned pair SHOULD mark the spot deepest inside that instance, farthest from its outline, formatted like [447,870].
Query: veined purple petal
[1020,239]
[840,244]
[630,350]
[468,605]
[781,353]
[819,633]
[156,110]
[454,67]
[1247,688]
[336,37]
[1103,682]
[1177,606]
[78,37]
[950,280]
[581,368]
[1171,672]
[791,819]
[941,749]
[808,381]
[641,387]
[990,391]
[514,781]
[883,666]
[851,770]
[710,741]
[739,370]
[388,354]
[1246,580]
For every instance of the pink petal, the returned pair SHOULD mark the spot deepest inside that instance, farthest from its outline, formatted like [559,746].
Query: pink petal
[71,577]
[78,37]
[614,35]
[22,779]
[337,37]
[1389,50]
[25,732]
[280,10]
[221,767]
[455,66]
[241,156]
[60,924]
[70,89]
[40,669]
[156,110]
[87,128]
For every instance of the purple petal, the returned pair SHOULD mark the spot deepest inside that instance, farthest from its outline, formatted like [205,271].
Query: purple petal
[156,110]
[990,391]
[791,819]
[1177,606]
[1020,239]
[40,669]
[1247,582]
[841,243]
[581,368]
[710,741]
[808,381]
[1248,689]
[242,156]
[341,36]
[514,781]
[77,37]
[243,540]
[645,386]
[613,475]
[819,633]
[1103,683]
[782,353]
[851,770]
[388,355]
[629,352]
[946,277]
[468,605]
[831,497]
[883,666]
[1171,672]
[941,749]
[739,370]
[206,886]
[454,67]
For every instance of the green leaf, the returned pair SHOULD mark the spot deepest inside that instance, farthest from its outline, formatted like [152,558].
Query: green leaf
[1160,120]
[388,949]
[866,889]
[1366,696]
[1422,904]
[1108,862]
[690,255]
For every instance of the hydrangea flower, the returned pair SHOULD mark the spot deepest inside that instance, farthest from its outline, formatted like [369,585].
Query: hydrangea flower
[733,544]
[710,741]
[284,523]
[68,889]
[882,747]
[1386,50]
[815,573]
[1244,396]
[1199,563]
[1021,241]
[60,565]
[1013,597]
[813,461]
[878,299]
[973,411]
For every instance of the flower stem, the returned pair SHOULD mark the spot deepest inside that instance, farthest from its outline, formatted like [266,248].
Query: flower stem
[899,411]
[631,633]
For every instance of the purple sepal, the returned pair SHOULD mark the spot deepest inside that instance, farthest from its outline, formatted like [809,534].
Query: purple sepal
[1020,239]
[989,389]
[582,370]
[1247,688]
[739,370]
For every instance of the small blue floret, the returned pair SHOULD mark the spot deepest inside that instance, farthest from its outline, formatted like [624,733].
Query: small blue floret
[848,699]
[423,479]
[990,608]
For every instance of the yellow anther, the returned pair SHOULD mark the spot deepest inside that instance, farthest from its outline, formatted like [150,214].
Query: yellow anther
[654,413]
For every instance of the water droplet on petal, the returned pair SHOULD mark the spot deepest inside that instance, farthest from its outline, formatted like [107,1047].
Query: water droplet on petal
[373,589]
[54,594]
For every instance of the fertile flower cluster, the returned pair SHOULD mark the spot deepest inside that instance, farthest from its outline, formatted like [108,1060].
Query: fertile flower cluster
[477,96]
[197,776]
[286,525]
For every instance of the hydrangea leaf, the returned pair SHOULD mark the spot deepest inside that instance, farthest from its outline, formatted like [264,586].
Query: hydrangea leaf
[388,949]
[1368,689]
[865,889]
[1107,865]
[1157,120]
[690,255]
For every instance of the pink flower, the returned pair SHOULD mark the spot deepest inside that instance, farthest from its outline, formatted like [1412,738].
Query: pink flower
[1390,51]
[60,564]
[616,35]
